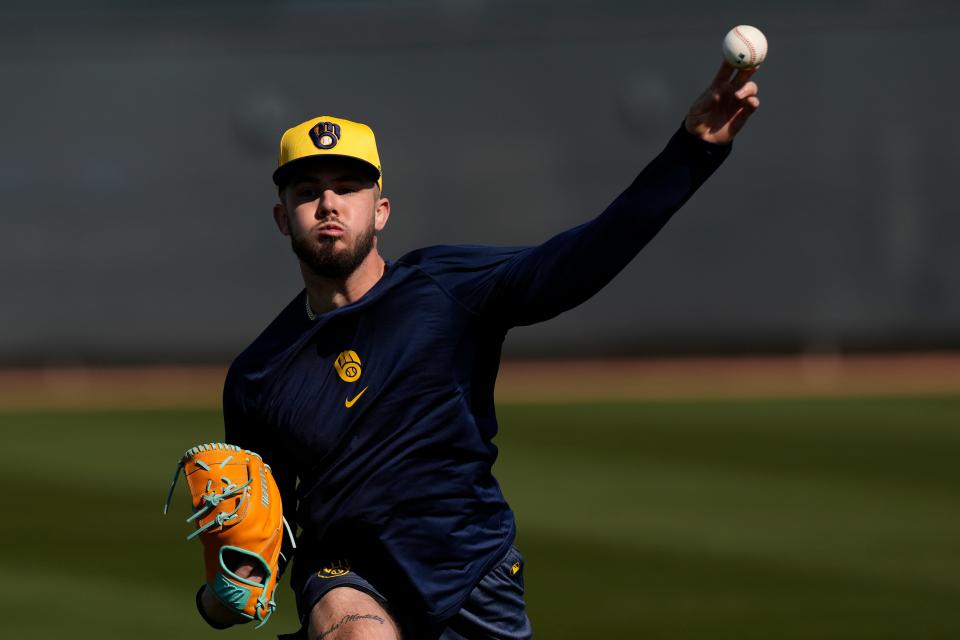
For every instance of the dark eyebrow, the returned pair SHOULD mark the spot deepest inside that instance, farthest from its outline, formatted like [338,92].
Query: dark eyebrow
[299,180]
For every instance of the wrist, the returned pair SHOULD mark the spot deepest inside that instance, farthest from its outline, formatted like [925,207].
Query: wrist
[214,612]
[696,137]
[694,146]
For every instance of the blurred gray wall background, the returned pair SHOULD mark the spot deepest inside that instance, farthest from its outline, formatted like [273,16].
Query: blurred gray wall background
[139,139]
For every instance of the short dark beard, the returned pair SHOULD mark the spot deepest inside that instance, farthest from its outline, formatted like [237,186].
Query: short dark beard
[319,257]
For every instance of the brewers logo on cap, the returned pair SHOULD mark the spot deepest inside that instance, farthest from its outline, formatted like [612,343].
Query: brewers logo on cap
[325,135]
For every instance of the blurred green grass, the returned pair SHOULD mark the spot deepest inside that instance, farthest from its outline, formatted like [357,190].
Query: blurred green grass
[800,518]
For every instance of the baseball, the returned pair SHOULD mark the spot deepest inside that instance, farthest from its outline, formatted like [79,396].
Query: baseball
[745,46]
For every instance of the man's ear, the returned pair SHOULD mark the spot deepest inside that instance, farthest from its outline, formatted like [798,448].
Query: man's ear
[381,214]
[280,217]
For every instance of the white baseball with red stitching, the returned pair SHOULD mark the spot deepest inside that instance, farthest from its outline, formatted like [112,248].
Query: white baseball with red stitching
[745,46]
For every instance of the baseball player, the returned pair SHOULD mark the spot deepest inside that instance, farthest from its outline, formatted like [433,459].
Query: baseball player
[371,393]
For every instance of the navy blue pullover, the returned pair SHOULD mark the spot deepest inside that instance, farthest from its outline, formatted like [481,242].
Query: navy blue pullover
[399,482]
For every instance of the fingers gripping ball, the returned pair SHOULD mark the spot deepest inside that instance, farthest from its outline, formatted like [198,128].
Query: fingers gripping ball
[239,519]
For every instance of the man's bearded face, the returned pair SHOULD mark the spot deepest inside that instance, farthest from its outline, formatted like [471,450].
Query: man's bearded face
[331,257]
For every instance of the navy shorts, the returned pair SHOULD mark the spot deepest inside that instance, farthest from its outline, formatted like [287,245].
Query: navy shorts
[494,610]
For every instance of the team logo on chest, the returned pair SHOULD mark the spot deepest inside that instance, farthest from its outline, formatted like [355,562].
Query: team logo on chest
[348,366]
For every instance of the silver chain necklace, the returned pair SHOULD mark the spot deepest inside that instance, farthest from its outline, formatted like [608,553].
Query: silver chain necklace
[306,303]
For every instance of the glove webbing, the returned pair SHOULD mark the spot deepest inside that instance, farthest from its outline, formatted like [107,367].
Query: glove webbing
[211,499]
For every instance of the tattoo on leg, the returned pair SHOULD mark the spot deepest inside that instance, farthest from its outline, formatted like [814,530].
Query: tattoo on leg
[351,617]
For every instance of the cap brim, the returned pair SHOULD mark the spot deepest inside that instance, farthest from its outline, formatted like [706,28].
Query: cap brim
[282,175]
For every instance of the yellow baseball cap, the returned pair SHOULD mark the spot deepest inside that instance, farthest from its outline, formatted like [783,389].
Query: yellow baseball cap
[328,136]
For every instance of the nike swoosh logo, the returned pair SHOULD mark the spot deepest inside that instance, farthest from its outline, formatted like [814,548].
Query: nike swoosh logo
[349,403]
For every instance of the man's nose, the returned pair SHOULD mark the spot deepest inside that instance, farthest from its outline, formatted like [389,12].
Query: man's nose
[327,203]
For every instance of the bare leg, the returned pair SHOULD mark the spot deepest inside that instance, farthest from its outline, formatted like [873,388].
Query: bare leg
[350,614]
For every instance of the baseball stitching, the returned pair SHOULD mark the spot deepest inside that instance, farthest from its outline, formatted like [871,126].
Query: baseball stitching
[743,38]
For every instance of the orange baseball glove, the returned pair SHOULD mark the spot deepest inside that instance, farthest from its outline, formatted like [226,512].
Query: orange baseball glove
[239,520]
